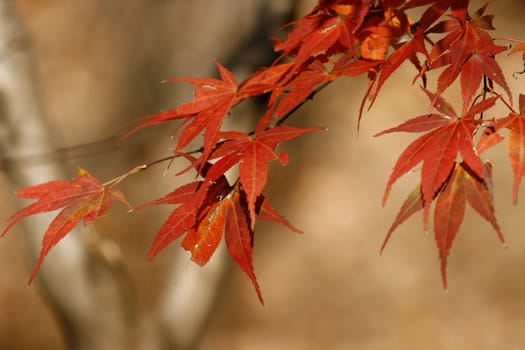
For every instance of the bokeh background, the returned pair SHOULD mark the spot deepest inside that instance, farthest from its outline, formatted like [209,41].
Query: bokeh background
[99,66]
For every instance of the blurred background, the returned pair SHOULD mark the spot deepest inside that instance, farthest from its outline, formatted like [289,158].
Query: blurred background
[99,66]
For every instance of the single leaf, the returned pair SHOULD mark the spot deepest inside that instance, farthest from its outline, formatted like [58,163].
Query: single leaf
[267,212]
[412,204]
[183,194]
[459,52]
[203,240]
[432,13]
[313,35]
[303,28]
[253,155]
[154,119]
[320,40]
[482,63]
[84,198]
[440,104]
[468,50]
[515,147]
[421,123]
[182,219]
[210,92]
[479,196]
[253,171]
[448,215]
[463,187]
[213,99]
[239,238]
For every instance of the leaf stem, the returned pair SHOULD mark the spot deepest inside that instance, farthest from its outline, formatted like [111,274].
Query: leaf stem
[139,168]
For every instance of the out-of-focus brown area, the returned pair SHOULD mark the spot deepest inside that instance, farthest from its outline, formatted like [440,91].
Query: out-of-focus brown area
[100,64]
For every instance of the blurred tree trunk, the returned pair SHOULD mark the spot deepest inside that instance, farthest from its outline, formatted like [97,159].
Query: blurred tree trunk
[84,283]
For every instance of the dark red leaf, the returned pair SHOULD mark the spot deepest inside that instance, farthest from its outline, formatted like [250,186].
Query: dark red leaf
[239,238]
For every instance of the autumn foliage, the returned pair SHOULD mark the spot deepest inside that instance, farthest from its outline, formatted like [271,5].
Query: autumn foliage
[337,39]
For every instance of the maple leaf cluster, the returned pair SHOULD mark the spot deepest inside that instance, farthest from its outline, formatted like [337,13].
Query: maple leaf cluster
[337,39]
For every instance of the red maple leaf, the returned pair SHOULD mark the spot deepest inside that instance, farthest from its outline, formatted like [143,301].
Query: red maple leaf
[213,99]
[462,29]
[338,38]
[265,211]
[468,52]
[208,211]
[515,143]
[461,187]
[239,237]
[329,29]
[481,63]
[464,186]
[253,155]
[289,94]
[448,135]
[196,200]
[84,198]
[204,238]
[412,204]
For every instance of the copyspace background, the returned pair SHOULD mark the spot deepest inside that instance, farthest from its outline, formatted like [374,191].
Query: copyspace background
[100,64]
